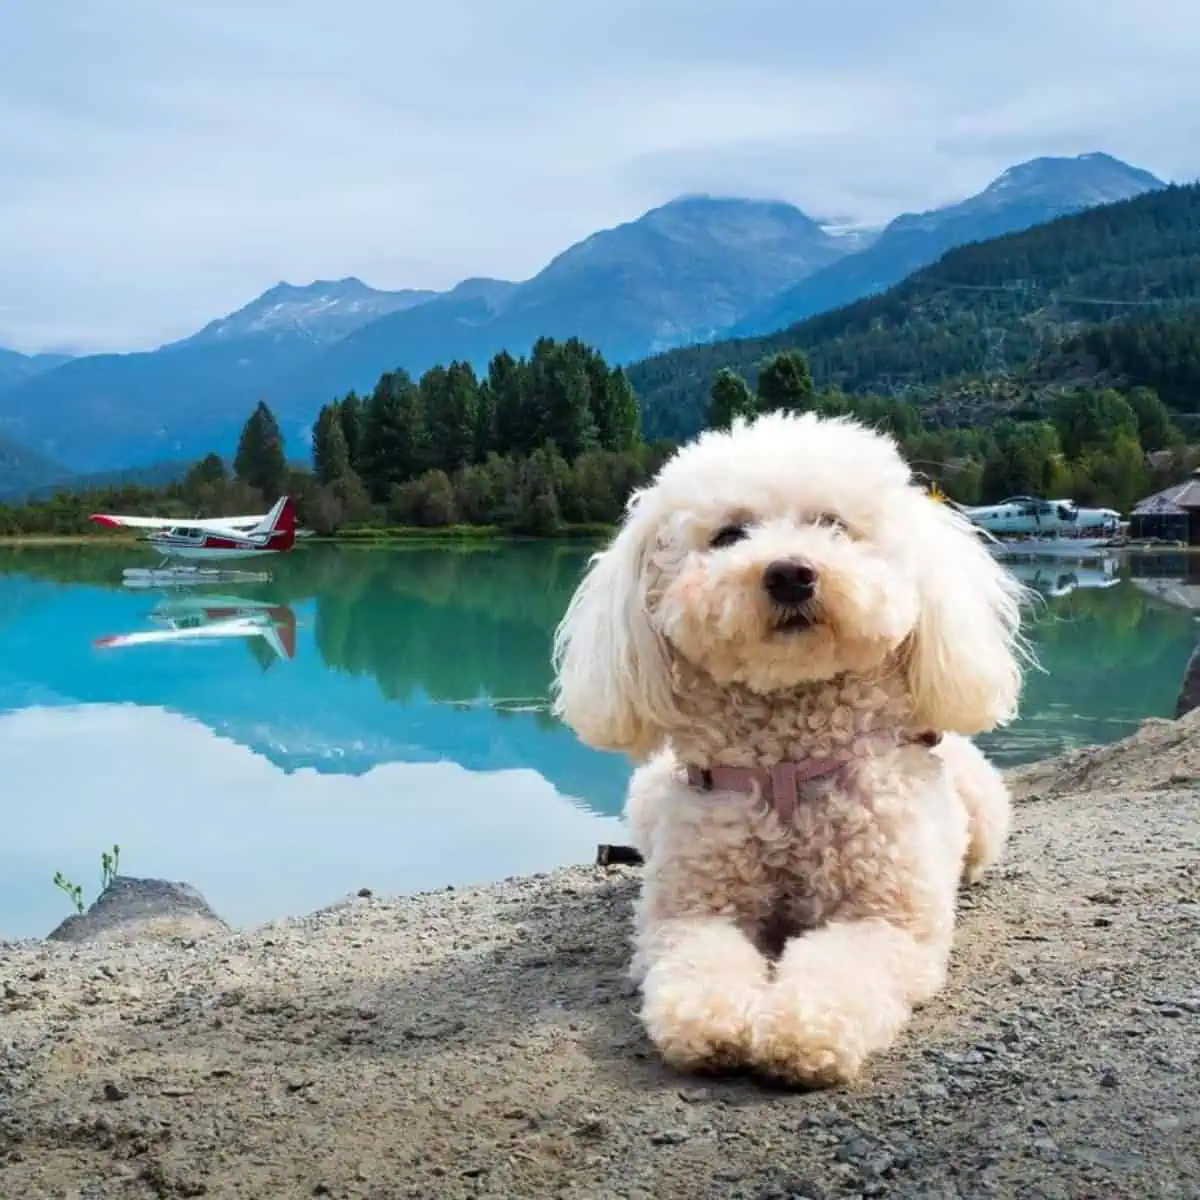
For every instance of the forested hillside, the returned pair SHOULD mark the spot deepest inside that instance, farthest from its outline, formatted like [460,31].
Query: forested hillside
[1017,307]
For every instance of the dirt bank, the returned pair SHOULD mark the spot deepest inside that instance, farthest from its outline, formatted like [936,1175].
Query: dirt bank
[483,1043]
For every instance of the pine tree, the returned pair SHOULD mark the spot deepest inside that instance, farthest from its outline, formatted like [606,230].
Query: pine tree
[260,460]
[485,422]
[507,383]
[562,391]
[450,396]
[730,397]
[394,441]
[540,375]
[331,456]
[351,413]
[785,383]
[616,412]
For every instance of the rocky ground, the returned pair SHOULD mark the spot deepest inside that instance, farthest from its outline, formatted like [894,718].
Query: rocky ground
[484,1043]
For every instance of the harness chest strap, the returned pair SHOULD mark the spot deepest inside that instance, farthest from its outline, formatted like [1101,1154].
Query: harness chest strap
[781,785]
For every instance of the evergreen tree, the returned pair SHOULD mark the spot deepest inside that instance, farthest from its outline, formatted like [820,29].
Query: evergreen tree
[394,440]
[260,460]
[541,385]
[615,409]
[351,413]
[730,397]
[485,421]
[785,383]
[450,398]
[331,456]
[568,404]
[506,386]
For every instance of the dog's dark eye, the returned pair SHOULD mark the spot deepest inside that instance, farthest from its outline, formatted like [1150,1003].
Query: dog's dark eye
[727,535]
[831,521]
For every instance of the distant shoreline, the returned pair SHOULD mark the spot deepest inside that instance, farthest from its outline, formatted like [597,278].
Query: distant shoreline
[458,533]
[383,535]
[20,540]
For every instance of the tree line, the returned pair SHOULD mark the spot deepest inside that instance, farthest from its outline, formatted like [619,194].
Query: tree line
[552,441]
[1091,444]
[538,443]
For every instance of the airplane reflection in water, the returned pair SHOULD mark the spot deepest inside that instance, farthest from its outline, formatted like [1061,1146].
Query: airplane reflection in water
[1052,580]
[201,618]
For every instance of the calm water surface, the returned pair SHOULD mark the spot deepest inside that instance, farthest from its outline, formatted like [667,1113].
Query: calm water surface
[380,720]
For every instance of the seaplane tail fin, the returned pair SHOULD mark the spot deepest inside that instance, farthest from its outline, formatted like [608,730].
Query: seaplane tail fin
[278,525]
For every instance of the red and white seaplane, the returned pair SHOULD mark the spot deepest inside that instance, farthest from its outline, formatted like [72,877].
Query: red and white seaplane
[214,539]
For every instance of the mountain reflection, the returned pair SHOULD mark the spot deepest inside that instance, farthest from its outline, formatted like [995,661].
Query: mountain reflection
[419,654]
[467,632]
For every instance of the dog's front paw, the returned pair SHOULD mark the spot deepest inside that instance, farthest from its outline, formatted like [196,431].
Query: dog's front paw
[700,1024]
[806,1045]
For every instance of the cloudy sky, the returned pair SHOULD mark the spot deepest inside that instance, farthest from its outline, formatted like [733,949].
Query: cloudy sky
[164,161]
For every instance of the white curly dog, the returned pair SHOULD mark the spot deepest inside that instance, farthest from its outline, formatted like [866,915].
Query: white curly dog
[791,638]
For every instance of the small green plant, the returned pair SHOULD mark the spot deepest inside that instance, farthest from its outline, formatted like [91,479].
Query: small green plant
[110,863]
[73,890]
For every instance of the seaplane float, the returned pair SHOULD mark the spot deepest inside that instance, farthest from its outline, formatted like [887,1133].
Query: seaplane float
[215,619]
[214,540]
[1046,528]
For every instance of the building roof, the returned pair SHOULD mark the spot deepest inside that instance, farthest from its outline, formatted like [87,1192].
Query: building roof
[1177,499]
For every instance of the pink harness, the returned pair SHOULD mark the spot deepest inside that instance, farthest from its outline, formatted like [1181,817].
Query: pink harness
[782,785]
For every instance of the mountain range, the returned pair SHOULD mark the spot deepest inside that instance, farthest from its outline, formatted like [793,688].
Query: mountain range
[1024,196]
[1106,296]
[691,271]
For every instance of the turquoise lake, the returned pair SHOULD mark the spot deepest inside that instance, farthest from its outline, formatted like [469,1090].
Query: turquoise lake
[378,719]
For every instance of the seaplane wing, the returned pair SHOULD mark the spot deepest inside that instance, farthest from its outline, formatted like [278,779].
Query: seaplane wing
[231,525]
[215,537]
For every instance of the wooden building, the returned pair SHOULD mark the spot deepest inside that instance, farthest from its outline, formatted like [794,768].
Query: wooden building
[1171,515]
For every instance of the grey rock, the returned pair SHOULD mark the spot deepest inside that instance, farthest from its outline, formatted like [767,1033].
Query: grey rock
[1189,689]
[133,909]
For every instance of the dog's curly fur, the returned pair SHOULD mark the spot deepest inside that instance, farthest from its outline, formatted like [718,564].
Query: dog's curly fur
[673,651]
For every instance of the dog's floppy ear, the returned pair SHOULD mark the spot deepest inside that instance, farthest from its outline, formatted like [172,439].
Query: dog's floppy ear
[612,676]
[964,658]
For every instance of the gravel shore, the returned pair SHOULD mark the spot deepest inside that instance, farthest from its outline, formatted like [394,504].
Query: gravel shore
[484,1042]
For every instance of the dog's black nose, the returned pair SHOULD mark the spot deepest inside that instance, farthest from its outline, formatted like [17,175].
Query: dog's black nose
[789,581]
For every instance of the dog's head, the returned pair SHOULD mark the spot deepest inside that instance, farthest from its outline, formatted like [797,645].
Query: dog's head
[787,551]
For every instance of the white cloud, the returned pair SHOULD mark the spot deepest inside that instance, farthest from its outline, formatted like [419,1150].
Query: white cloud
[259,843]
[164,163]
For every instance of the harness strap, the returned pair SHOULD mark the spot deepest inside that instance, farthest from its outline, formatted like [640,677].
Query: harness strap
[780,786]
